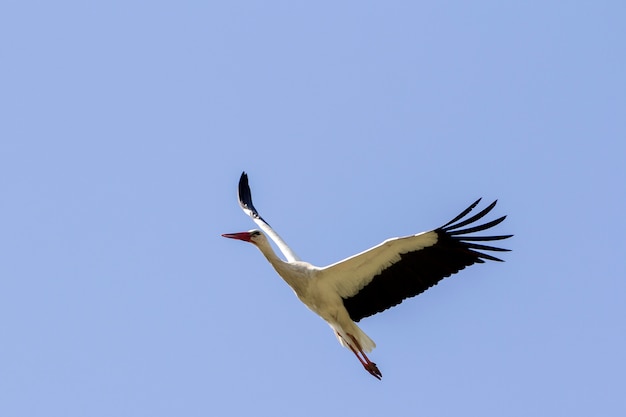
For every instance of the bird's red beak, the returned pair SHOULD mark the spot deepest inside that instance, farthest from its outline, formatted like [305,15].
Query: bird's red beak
[245,236]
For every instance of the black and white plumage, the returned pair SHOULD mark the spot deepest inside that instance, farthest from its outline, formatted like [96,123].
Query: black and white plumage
[379,278]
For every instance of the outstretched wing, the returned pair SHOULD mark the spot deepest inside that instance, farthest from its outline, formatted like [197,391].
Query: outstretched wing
[399,268]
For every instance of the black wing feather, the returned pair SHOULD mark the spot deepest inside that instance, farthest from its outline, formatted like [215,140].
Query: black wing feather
[245,197]
[419,270]
[463,213]
[472,219]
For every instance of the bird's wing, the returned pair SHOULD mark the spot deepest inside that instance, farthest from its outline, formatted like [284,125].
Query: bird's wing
[245,201]
[381,277]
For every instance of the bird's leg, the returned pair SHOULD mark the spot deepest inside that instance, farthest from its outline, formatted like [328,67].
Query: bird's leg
[362,357]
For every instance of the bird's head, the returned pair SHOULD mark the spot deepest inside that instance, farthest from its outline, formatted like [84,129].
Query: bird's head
[252,236]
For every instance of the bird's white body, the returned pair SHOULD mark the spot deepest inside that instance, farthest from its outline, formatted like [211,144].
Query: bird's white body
[318,294]
[375,279]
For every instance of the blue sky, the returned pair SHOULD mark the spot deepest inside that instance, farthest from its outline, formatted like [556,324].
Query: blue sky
[126,125]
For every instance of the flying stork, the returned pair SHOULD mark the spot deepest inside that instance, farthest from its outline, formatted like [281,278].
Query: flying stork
[374,280]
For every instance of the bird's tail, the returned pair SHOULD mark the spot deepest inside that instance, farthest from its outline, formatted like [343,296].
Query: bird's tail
[367,344]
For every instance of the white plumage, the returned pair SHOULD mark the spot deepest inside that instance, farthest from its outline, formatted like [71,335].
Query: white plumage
[374,280]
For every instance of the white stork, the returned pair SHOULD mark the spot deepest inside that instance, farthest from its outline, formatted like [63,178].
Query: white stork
[374,280]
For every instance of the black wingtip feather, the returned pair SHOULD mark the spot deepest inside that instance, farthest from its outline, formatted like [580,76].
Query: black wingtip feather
[485,247]
[483,238]
[245,197]
[478,228]
[463,213]
[474,218]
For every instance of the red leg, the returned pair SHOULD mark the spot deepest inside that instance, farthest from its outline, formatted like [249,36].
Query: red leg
[369,366]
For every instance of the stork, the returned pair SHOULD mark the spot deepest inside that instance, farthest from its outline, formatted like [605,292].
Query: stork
[377,279]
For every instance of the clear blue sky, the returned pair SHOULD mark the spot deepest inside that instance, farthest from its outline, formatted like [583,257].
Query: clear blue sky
[124,129]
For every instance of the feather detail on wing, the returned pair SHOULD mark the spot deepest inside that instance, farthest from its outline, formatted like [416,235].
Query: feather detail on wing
[399,268]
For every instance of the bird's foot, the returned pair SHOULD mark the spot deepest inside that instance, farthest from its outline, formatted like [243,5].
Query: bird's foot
[373,370]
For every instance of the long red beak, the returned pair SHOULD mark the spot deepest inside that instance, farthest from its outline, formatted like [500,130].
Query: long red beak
[245,236]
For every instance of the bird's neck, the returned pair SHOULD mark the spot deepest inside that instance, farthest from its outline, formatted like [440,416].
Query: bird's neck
[290,272]
[270,255]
